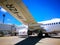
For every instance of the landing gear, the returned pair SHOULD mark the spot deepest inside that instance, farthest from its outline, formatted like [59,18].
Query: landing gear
[29,32]
[40,34]
[46,35]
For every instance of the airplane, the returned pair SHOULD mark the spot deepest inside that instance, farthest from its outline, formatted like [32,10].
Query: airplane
[52,27]
[19,10]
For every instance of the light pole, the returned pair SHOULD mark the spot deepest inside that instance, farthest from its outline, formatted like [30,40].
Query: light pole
[3,18]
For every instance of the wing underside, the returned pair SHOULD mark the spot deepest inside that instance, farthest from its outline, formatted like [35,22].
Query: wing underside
[18,10]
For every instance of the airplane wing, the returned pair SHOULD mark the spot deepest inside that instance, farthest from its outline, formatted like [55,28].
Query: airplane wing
[18,10]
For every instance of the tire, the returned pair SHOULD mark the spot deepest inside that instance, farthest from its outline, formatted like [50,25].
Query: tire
[40,34]
[47,35]
[29,32]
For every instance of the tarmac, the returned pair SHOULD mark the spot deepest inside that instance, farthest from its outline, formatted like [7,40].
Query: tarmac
[32,40]
[11,40]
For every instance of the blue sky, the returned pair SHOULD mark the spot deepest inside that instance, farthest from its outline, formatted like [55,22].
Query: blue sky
[41,10]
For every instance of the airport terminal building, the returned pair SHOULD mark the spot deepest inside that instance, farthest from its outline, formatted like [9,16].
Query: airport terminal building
[7,29]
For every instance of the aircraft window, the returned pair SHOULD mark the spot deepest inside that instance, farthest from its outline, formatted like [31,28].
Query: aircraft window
[52,23]
[59,22]
[45,24]
[48,24]
[56,23]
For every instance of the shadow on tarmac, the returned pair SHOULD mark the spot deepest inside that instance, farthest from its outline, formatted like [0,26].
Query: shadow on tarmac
[53,37]
[29,41]
[32,40]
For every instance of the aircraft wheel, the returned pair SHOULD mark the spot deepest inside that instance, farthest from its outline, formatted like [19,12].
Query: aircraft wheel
[29,32]
[47,35]
[40,34]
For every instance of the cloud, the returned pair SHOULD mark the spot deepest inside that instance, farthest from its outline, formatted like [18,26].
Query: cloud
[3,10]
